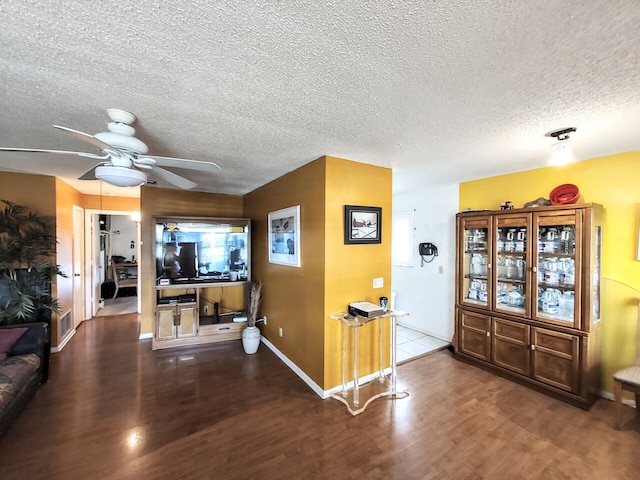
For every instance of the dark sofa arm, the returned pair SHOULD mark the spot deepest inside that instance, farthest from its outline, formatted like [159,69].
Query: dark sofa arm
[35,340]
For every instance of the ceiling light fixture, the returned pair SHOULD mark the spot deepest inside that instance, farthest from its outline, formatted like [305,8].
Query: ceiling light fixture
[561,150]
[121,176]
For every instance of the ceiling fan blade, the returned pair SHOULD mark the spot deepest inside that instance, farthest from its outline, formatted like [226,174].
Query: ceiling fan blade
[144,161]
[55,152]
[85,137]
[201,165]
[174,179]
[91,174]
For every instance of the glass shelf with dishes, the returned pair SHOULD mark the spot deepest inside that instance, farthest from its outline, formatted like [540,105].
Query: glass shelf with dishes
[511,287]
[476,268]
[556,272]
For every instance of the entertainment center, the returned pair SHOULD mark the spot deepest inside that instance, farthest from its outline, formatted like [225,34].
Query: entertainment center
[203,265]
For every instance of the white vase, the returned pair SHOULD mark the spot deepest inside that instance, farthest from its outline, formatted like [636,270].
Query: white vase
[251,339]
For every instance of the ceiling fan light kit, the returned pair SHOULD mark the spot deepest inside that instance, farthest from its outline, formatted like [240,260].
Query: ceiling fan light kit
[561,150]
[121,176]
[121,162]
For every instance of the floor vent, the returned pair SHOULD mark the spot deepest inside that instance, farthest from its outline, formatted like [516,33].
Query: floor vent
[65,324]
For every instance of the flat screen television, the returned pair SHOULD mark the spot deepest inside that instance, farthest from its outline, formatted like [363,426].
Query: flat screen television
[202,249]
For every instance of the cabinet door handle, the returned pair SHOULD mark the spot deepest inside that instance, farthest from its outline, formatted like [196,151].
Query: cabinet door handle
[224,328]
[534,269]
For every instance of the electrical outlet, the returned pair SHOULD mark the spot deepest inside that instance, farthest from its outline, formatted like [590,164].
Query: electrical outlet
[378,282]
[265,319]
[440,269]
[280,331]
[206,309]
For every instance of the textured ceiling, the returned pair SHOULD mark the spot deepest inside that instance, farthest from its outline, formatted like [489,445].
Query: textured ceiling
[440,91]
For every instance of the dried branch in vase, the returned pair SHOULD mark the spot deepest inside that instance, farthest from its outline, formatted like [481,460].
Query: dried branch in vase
[255,293]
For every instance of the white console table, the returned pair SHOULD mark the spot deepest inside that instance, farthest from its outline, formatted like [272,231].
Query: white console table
[358,397]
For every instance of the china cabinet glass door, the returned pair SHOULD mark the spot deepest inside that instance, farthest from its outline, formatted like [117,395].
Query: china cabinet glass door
[512,265]
[476,266]
[557,267]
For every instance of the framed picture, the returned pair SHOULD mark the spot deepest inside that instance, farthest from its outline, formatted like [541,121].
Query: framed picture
[362,224]
[284,236]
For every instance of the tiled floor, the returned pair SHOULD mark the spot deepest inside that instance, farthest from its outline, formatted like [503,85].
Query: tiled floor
[118,306]
[411,343]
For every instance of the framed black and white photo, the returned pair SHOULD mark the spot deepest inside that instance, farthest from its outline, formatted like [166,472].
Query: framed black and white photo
[284,236]
[362,224]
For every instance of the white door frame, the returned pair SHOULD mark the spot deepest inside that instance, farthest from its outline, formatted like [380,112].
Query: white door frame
[92,240]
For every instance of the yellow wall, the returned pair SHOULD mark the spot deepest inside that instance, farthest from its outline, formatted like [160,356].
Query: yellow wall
[169,202]
[611,181]
[350,269]
[66,198]
[332,274]
[34,191]
[106,202]
[293,297]
[37,193]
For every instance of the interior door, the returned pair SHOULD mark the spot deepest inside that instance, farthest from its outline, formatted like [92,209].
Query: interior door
[78,255]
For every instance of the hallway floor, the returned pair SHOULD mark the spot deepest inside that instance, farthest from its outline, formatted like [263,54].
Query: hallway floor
[118,306]
[411,344]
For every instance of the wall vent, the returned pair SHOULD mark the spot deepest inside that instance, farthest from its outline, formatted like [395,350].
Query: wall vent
[65,324]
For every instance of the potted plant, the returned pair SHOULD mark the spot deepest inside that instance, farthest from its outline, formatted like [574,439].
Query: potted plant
[251,334]
[27,245]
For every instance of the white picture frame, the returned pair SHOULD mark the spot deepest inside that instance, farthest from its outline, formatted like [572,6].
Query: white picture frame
[284,236]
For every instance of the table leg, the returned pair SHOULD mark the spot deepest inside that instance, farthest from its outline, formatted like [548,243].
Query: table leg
[392,319]
[345,330]
[380,347]
[371,390]
[356,387]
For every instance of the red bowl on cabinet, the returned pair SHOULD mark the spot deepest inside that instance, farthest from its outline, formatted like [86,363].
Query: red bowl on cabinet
[565,194]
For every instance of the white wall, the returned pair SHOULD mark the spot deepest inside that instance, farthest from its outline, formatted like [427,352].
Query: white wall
[425,293]
[121,243]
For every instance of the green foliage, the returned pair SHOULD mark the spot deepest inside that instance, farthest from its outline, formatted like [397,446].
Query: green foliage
[27,245]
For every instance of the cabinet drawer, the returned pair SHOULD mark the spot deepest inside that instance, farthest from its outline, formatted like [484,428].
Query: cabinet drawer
[559,343]
[230,330]
[515,331]
[475,321]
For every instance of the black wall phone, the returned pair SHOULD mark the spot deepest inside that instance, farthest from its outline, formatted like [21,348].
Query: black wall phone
[427,250]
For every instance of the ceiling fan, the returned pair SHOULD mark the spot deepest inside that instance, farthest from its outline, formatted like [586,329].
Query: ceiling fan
[123,157]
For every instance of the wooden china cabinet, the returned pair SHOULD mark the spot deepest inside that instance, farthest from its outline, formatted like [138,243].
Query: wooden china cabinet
[528,296]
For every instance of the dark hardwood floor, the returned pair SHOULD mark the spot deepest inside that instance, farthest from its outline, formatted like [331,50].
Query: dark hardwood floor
[113,409]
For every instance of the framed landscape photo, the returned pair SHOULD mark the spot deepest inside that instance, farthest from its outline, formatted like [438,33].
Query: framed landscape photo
[284,236]
[362,224]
